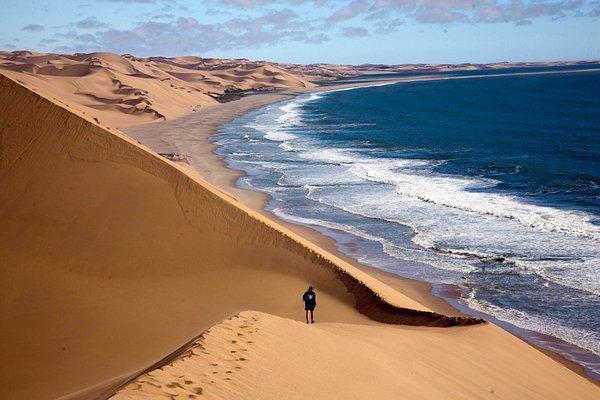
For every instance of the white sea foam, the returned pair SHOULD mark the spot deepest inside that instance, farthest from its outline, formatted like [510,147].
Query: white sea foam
[458,215]
[464,232]
[291,110]
[415,255]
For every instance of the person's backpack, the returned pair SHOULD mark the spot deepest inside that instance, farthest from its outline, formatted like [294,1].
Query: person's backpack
[309,296]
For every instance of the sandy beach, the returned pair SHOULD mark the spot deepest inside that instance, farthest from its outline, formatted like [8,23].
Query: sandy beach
[127,275]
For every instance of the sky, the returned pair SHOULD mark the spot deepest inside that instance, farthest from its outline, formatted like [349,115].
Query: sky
[310,31]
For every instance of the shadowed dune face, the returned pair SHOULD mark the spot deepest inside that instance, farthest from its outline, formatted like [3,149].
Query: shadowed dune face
[112,257]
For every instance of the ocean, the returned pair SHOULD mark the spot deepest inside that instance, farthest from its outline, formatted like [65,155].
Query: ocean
[486,187]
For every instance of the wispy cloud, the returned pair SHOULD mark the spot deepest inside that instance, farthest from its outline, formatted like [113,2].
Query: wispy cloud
[246,3]
[350,31]
[350,10]
[90,23]
[33,28]
[185,35]
[440,11]
[469,11]
[171,27]
[129,1]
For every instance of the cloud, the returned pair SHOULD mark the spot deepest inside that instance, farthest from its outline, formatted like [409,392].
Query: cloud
[317,39]
[456,11]
[48,41]
[33,28]
[440,15]
[524,22]
[80,38]
[187,35]
[278,19]
[353,32]
[129,1]
[168,28]
[163,16]
[388,26]
[90,23]
[516,11]
[595,12]
[349,11]
[258,3]
[245,3]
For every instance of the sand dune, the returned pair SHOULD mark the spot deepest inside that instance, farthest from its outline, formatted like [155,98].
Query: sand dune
[113,258]
[126,90]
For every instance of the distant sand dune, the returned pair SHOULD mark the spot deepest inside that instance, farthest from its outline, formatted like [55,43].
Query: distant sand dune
[141,89]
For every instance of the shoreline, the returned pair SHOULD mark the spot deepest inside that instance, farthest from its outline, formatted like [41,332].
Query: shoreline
[213,169]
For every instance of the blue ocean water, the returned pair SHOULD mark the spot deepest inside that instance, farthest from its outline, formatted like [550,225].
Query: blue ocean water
[490,184]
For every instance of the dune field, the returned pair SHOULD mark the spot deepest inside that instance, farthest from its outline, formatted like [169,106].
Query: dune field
[127,276]
[126,90]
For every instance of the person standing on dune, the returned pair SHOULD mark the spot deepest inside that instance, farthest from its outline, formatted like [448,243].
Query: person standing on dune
[310,302]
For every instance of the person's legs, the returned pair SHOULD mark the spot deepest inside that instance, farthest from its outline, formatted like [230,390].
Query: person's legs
[307,316]
[312,317]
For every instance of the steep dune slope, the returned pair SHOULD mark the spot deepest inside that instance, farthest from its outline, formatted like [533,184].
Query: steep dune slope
[112,257]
